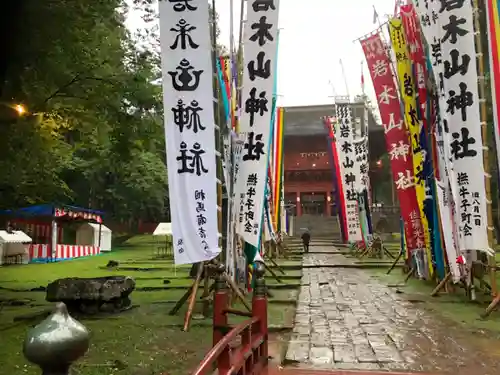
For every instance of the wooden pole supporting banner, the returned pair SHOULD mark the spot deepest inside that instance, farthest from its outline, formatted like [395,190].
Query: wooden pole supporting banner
[484,133]
[192,298]
[441,285]
[393,265]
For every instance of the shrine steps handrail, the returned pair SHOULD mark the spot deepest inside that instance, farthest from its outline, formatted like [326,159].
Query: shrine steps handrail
[213,355]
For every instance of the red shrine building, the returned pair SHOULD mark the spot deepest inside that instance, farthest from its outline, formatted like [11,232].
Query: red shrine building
[308,175]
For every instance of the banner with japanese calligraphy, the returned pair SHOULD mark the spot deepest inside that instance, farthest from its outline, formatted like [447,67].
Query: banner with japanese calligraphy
[361,163]
[493,23]
[461,118]
[412,120]
[348,169]
[396,136]
[260,49]
[330,123]
[189,129]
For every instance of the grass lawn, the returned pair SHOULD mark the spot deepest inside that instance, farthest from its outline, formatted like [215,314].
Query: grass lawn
[142,341]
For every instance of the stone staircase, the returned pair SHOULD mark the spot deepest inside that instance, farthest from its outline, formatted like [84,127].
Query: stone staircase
[319,226]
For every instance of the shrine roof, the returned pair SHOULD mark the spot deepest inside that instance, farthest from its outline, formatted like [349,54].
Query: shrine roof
[308,120]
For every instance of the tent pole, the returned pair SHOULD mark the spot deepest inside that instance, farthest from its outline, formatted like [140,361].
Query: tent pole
[100,231]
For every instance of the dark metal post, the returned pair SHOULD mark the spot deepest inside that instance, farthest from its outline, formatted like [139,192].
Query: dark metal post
[56,342]
[259,304]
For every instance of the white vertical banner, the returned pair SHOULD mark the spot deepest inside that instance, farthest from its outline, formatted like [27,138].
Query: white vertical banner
[361,163]
[349,172]
[259,46]
[462,121]
[189,128]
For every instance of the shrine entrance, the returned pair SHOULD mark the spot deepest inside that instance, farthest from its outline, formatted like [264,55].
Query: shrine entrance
[313,203]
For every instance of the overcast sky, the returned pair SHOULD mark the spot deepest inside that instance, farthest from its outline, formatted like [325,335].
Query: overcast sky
[315,35]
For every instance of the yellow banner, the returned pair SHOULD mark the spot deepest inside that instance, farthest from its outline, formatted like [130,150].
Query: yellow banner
[408,95]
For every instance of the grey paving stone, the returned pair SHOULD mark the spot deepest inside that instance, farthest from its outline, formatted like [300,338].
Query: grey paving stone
[321,355]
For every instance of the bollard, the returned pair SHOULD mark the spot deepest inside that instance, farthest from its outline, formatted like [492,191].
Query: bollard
[220,304]
[259,304]
[57,342]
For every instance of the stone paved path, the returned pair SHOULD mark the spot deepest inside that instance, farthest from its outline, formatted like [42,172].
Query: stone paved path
[346,319]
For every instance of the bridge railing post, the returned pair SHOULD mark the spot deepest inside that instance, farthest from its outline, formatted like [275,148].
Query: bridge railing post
[221,299]
[259,305]
[57,342]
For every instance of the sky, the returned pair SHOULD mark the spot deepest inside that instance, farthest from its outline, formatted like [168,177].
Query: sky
[315,35]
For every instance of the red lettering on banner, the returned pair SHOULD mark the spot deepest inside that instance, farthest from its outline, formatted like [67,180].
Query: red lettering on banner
[396,134]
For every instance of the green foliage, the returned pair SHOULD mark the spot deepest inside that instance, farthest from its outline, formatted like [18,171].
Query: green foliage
[93,134]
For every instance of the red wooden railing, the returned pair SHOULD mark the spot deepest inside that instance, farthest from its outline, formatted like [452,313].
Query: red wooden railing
[243,350]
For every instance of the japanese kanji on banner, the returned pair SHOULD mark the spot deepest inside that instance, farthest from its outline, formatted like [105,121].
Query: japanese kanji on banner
[396,136]
[350,177]
[259,45]
[451,36]
[189,129]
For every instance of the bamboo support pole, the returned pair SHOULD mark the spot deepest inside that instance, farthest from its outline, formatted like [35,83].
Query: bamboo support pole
[484,133]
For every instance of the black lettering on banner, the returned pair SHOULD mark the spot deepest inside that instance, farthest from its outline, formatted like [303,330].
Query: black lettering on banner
[351,195]
[453,29]
[262,31]
[199,195]
[419,175]
[180,244]
[346,147]
[475,209]
[436,52]
[348,163]
[453,67]
[252,179]
[185,77]
[449,5]
[412,112]
[254,147]
[263,5]
[262,70]
[349,178]
[344,130]
[183,29]
[188,116]
[202,220]
[408,85]
[401,56]
[182,5]
[191,160]
[425,20]
[434,17]
[460,146]
[254,105]
[462,179]
[460,101]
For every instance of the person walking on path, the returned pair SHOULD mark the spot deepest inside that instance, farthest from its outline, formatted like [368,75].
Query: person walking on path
[306,238]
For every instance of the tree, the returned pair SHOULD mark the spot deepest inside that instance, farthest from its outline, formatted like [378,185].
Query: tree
[93,135]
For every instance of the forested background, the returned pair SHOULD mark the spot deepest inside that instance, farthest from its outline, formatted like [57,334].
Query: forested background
[93,134]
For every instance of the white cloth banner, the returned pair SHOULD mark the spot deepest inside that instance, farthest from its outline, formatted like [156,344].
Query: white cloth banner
[361,163]
[189,129]
[450,32]
[259,46]
[349,172]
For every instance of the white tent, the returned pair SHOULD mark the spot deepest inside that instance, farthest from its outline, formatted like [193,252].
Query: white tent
[163,229]
[88,235]
[12,246]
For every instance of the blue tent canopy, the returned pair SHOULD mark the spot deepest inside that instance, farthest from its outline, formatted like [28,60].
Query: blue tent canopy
[46,210]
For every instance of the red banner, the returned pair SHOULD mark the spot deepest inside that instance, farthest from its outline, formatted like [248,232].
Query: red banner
[411,28]
[396,137]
